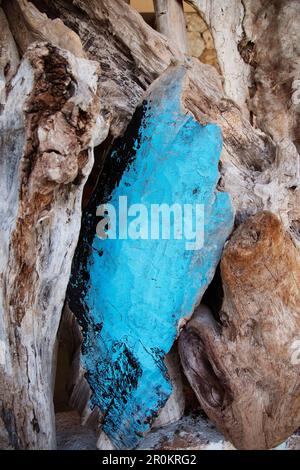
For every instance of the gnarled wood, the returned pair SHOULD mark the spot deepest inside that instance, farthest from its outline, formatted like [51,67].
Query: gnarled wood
[259,172]
[225,20]
[258,175]
[46,155]
[244,369]
[131,54]
[260,67]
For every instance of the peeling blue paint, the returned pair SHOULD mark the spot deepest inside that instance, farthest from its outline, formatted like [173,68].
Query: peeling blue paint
[130,294]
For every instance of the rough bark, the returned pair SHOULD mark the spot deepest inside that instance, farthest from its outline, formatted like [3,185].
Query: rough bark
[170,21]
[243,368]
[46,138]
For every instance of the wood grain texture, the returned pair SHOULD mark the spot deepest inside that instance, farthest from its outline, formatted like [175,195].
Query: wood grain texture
[29,25]
[243,368]
[9,56]
[170,21]
[45,157]
[130,53]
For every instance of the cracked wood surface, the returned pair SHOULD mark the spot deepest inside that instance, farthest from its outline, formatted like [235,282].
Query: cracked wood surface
[243,367]
[260,171]
[46,155]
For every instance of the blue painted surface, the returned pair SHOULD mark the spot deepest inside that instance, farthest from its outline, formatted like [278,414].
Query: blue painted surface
[130,294]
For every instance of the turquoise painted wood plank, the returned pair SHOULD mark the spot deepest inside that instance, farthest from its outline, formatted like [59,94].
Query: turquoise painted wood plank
[129,295]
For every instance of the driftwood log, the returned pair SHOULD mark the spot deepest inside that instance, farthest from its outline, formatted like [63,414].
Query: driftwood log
[243,366]
[170,21]
[255,103]
[46,155]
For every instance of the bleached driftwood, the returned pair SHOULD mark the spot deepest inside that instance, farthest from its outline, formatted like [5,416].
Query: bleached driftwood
[28,25]
[245,367]
[247,154]
[46,155]
[9,57]
[260,64]
[225,20]
[170,21]
[130,53]
[258,171]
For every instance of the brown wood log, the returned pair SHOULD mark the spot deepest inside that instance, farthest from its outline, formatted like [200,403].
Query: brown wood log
[46,155]
[245,367]
[170,21]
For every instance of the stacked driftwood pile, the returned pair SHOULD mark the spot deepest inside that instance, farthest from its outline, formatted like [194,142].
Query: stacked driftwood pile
[72,73]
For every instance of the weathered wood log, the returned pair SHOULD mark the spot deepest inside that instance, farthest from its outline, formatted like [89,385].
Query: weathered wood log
[131,54]
[170,21]
[29,25]
[243,368]
[46,155]
[246,155]
[257,175]
[174,408]
[9,57]
[258,60]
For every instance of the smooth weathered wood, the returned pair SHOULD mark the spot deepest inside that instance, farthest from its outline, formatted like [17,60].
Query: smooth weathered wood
[46,155]
[247,155]
[170,21]
[28,25]
[225,20]
[243,368]
[9,57]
